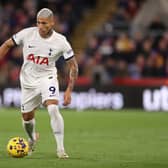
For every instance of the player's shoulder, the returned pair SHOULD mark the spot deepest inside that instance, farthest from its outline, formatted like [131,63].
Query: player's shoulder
[59,36]
[24,33]
[30,29]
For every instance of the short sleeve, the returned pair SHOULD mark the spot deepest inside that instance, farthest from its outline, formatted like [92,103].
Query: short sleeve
[18,38]
[68,51]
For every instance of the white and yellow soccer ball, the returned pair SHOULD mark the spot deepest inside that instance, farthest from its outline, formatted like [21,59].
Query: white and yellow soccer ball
[17,147]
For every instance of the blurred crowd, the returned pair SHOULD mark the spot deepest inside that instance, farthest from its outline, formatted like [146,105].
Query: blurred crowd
[111,52]
[18,14]
[114,51]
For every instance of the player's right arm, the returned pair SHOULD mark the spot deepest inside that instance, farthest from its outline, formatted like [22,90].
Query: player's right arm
[5,47]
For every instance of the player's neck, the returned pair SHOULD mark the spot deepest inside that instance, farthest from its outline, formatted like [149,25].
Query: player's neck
[48,34]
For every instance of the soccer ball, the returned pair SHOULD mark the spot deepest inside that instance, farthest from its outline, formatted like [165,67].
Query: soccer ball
[17,147]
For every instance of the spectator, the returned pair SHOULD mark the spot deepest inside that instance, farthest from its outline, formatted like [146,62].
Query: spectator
[157,27]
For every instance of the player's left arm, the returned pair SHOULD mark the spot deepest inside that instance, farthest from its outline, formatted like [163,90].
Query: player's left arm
[73,75]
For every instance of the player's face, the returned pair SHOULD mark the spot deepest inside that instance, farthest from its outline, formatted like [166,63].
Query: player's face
[45,26]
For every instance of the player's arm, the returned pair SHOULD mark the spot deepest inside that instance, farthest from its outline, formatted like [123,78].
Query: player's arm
[73,74]
[5,47]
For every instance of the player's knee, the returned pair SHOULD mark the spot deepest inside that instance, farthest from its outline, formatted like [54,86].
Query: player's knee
[53,110]
[50,102]
[28,116]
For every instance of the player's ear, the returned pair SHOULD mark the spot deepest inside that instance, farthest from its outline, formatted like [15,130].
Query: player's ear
[37,22]
[52,21]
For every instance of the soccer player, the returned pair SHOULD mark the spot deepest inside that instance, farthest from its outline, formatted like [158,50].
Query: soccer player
[42,47]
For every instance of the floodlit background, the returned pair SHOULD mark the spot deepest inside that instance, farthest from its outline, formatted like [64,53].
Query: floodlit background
[117,118]
[120,45]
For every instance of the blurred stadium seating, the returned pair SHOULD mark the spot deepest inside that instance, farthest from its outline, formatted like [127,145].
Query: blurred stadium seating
[112,39]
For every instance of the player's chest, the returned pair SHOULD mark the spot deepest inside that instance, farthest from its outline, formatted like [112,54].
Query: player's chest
[42,49]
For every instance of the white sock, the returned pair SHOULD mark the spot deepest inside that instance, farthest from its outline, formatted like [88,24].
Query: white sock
[29,127]
[57,125]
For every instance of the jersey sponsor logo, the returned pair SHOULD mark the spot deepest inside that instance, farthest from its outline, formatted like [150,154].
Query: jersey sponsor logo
[38,60]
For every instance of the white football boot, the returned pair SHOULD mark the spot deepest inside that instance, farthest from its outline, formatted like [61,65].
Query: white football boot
[62,154]
[32,144]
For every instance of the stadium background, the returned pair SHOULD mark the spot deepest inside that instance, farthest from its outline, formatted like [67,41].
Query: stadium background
[120,47]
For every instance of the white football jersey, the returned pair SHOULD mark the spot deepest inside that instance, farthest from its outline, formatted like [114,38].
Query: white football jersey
[40,54]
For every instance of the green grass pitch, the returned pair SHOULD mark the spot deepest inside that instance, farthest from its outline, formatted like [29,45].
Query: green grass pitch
[93,139]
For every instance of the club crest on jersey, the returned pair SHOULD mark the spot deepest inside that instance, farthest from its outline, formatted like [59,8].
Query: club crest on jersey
[38,60]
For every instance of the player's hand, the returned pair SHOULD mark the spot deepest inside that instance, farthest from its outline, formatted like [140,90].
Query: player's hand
[67,97]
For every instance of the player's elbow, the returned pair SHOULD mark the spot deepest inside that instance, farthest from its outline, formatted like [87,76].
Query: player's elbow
[8,43]
[74,72]
[4,48]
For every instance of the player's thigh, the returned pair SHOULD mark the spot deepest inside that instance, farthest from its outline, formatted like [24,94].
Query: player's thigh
[30,99]
[50,89]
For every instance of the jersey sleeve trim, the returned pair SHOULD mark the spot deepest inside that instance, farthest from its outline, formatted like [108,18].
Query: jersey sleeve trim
[69,58]
[14,41]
